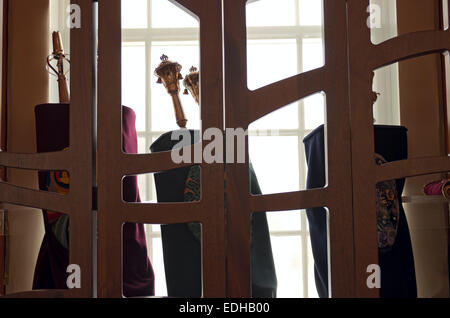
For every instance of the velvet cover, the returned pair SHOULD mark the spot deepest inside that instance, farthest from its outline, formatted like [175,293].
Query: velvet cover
[52,130]
[397,263]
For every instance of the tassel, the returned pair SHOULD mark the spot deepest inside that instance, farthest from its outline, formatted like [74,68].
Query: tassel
[180,77]
[159,81]
[186,92]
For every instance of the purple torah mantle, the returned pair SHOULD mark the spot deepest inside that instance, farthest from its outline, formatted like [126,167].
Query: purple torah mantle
[52,131]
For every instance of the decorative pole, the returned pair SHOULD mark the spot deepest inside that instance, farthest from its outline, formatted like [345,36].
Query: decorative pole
[59,56]
[169,74]
[191,82]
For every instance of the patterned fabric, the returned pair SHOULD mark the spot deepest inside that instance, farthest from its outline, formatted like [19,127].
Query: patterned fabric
[58,181]
[192,193]
[388,208]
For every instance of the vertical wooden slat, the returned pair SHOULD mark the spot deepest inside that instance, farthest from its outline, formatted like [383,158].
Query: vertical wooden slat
[363,163]
[238,183]
[4,79]
[78,202]
[109,148]
[214,224]
[81,141]
[338,148]
[3,131]
[445,62]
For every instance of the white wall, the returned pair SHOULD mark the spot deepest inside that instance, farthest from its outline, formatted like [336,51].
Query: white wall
[387,107]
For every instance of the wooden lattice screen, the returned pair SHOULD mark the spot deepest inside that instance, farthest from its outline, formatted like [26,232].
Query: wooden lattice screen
[226,242]
[77,160]
[113,212]
[350,58]
[243,107]
[365,57]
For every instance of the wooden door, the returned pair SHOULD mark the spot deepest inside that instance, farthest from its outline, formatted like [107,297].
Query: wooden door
[77,160]
[364,58]
[226,231]
[244,106]
[3,130]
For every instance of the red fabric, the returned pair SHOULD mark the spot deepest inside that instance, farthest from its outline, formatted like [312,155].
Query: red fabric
[434,188]
[138,276]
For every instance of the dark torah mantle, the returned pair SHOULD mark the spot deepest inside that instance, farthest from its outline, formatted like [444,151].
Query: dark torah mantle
[395,255]
[181,246]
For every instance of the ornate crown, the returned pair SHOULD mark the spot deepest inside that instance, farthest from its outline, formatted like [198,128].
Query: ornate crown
[191,82]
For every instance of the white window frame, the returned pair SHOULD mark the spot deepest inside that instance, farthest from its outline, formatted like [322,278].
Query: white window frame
[386,81]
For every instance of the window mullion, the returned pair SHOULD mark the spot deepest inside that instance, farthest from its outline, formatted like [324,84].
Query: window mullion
[149,228]
[149,14]
[302,173]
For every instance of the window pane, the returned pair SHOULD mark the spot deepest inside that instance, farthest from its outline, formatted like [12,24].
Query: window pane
[153,198]
[288,264]
[133,80]
[271,13]
[134,14]
[386,110]
[283,118]
[313,54]
[167,15]
[142,145]
[156,228]
[158,267]
[270,61]
[314,110]
[311,12]
[187,54]
[312,290]
[264,152]
[383,20]
[284,221]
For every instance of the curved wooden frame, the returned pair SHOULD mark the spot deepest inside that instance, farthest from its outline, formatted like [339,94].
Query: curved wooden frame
[112,211]
[352,173]
[77,160]
[366,174]
[244,106]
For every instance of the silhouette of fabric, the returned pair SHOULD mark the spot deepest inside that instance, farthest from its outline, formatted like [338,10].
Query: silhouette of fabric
[181,242]
[52,128]
[396,262]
